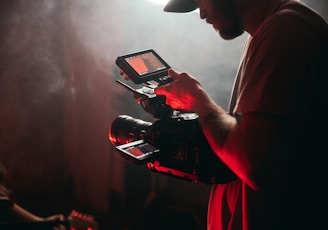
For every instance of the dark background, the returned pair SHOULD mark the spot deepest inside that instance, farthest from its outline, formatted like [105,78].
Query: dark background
[58,98]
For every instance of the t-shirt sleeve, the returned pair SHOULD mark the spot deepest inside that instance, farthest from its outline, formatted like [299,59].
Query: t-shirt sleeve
[280,69]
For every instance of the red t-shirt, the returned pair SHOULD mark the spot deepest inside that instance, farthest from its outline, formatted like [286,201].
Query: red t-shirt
[283,73]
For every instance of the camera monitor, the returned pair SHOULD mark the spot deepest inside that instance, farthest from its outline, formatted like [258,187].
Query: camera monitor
[143,66]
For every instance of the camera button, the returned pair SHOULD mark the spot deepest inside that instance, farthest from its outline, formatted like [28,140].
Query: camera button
[148,90]
[152,84]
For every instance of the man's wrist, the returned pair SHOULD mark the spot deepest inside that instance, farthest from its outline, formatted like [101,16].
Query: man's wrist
[205,120]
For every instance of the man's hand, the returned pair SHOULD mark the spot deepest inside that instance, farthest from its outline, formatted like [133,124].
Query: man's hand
[182,93]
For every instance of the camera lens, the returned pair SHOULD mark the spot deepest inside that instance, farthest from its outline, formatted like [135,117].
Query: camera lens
[126,129]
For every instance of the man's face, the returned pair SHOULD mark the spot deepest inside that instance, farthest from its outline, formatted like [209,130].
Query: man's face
[222,14]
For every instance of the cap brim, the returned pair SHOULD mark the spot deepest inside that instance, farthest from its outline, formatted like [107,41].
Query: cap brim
[180,6]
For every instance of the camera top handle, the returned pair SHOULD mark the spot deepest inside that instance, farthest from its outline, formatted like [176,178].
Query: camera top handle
[150,102]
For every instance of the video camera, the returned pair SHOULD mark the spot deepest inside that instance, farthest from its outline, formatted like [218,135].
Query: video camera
[174,144]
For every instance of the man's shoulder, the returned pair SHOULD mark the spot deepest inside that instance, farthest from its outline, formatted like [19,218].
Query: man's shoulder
[293,26]
[298,16]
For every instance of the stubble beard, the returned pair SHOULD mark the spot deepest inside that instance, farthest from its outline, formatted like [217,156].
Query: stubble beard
[227,14]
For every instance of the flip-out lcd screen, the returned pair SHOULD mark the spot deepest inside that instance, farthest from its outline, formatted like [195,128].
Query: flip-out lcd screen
[143,66]
[138,151]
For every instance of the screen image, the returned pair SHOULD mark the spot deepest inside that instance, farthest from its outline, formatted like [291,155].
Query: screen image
[145,63]
[141,150]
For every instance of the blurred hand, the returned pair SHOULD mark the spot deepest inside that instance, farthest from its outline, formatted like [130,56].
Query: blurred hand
[54,217]
[182,93]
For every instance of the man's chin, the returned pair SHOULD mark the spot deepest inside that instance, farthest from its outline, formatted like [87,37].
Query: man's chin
[229,35]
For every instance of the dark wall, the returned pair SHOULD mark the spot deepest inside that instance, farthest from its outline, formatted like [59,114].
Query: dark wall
[32,82]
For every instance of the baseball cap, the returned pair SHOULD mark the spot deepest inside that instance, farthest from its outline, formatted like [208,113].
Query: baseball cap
[180,6]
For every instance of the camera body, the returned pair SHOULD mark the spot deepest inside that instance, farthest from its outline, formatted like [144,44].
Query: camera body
[174,144]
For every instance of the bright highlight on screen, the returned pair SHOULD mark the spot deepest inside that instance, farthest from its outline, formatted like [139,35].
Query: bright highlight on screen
[145,63]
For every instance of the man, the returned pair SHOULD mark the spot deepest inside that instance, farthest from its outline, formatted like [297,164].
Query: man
[273,137]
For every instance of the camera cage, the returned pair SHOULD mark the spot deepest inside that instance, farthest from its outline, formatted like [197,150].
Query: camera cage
[174,144]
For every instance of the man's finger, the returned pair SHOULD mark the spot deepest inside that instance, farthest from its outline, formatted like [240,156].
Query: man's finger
[174,74]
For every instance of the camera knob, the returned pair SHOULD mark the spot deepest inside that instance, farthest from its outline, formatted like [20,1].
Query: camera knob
[148,90]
